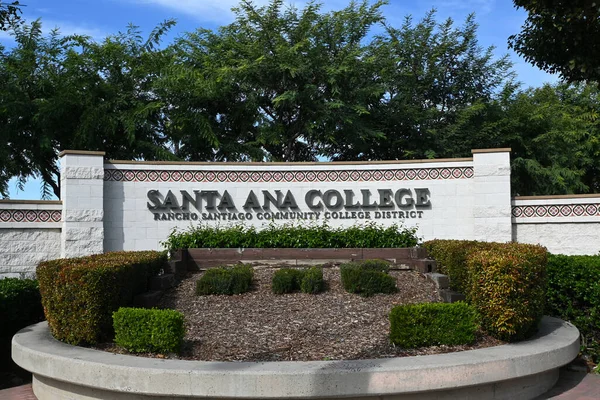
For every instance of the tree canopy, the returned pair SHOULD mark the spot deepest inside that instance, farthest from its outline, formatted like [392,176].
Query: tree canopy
[561,36]
[284,84]
[10,13]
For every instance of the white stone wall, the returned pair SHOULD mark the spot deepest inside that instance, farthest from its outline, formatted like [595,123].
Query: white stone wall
[563,224]
[81,192]
[492,208]
[130,225]
[30,232]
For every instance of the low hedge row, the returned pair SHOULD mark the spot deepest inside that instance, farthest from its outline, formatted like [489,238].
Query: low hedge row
[292,236]
[141,330]
[505,282]
[79,295]
[225,280]
[20,305]
[288,280]
[573,294]
[433,324]
[367,278]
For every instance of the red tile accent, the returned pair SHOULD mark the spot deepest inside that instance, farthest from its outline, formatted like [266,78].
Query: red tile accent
[407,174]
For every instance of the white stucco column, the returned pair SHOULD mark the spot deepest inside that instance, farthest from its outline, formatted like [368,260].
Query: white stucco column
[492,202]
[82,195]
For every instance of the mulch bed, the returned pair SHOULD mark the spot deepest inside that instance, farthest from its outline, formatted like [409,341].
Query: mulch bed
[333,325]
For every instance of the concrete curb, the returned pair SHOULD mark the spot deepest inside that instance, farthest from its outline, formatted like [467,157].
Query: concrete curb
[522,370]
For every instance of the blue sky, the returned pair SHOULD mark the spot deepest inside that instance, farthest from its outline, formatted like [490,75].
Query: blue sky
[497,20]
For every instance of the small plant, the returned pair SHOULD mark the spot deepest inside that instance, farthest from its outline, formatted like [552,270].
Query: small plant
[367,278]
[432,324]
[376,265]
[312,282]
[225,280]
[141,330]
[286,280]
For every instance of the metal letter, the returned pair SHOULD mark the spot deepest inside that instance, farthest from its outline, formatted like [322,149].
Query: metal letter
[423,197]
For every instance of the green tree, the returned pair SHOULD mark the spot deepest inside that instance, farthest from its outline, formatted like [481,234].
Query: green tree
[10,14]
[557,148]
[429,73]
[561,36]
[74,93]
[287,80]
[553,132]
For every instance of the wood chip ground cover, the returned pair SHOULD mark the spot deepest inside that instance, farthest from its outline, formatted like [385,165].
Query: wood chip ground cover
[333,325]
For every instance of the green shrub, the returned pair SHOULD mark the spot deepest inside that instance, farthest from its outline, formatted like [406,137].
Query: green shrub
[79,295]
[451,257]
[573,294]
[225,280]
[376,265]
[432,324]
[507,286]
[286,280]
[20,305]
[366,281]
[312,281]
[140,330]
[291,236]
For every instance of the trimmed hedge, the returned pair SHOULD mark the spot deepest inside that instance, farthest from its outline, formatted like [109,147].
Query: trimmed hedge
[573,294]
[433,324]
[141,330]
[376,265]
[288,280]
[79,295]
[451,257]
[225,280]
[20,305]
[367,278]
[312,282]
[291,236]
[505,282]
[507,286]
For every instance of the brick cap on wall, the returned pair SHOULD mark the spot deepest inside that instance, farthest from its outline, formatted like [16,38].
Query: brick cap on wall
[558,196]
[16,201]
[82,153]
[500,150]
[432,160]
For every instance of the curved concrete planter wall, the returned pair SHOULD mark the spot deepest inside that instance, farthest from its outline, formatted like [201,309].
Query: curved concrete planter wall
[515,371]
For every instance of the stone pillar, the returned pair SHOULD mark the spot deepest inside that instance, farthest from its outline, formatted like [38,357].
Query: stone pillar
[82,195]
[492,200]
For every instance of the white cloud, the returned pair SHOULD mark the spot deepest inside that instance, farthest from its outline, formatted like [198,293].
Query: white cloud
[68,28]
[480,7]
[205,10]
[220,11]
[65,28]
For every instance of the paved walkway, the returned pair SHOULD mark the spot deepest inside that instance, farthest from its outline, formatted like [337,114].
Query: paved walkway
[18,393]
[571,386]
[574,385]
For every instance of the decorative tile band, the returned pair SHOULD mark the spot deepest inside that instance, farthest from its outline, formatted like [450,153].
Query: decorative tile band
[557,210]
[130,175]
[30,215]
